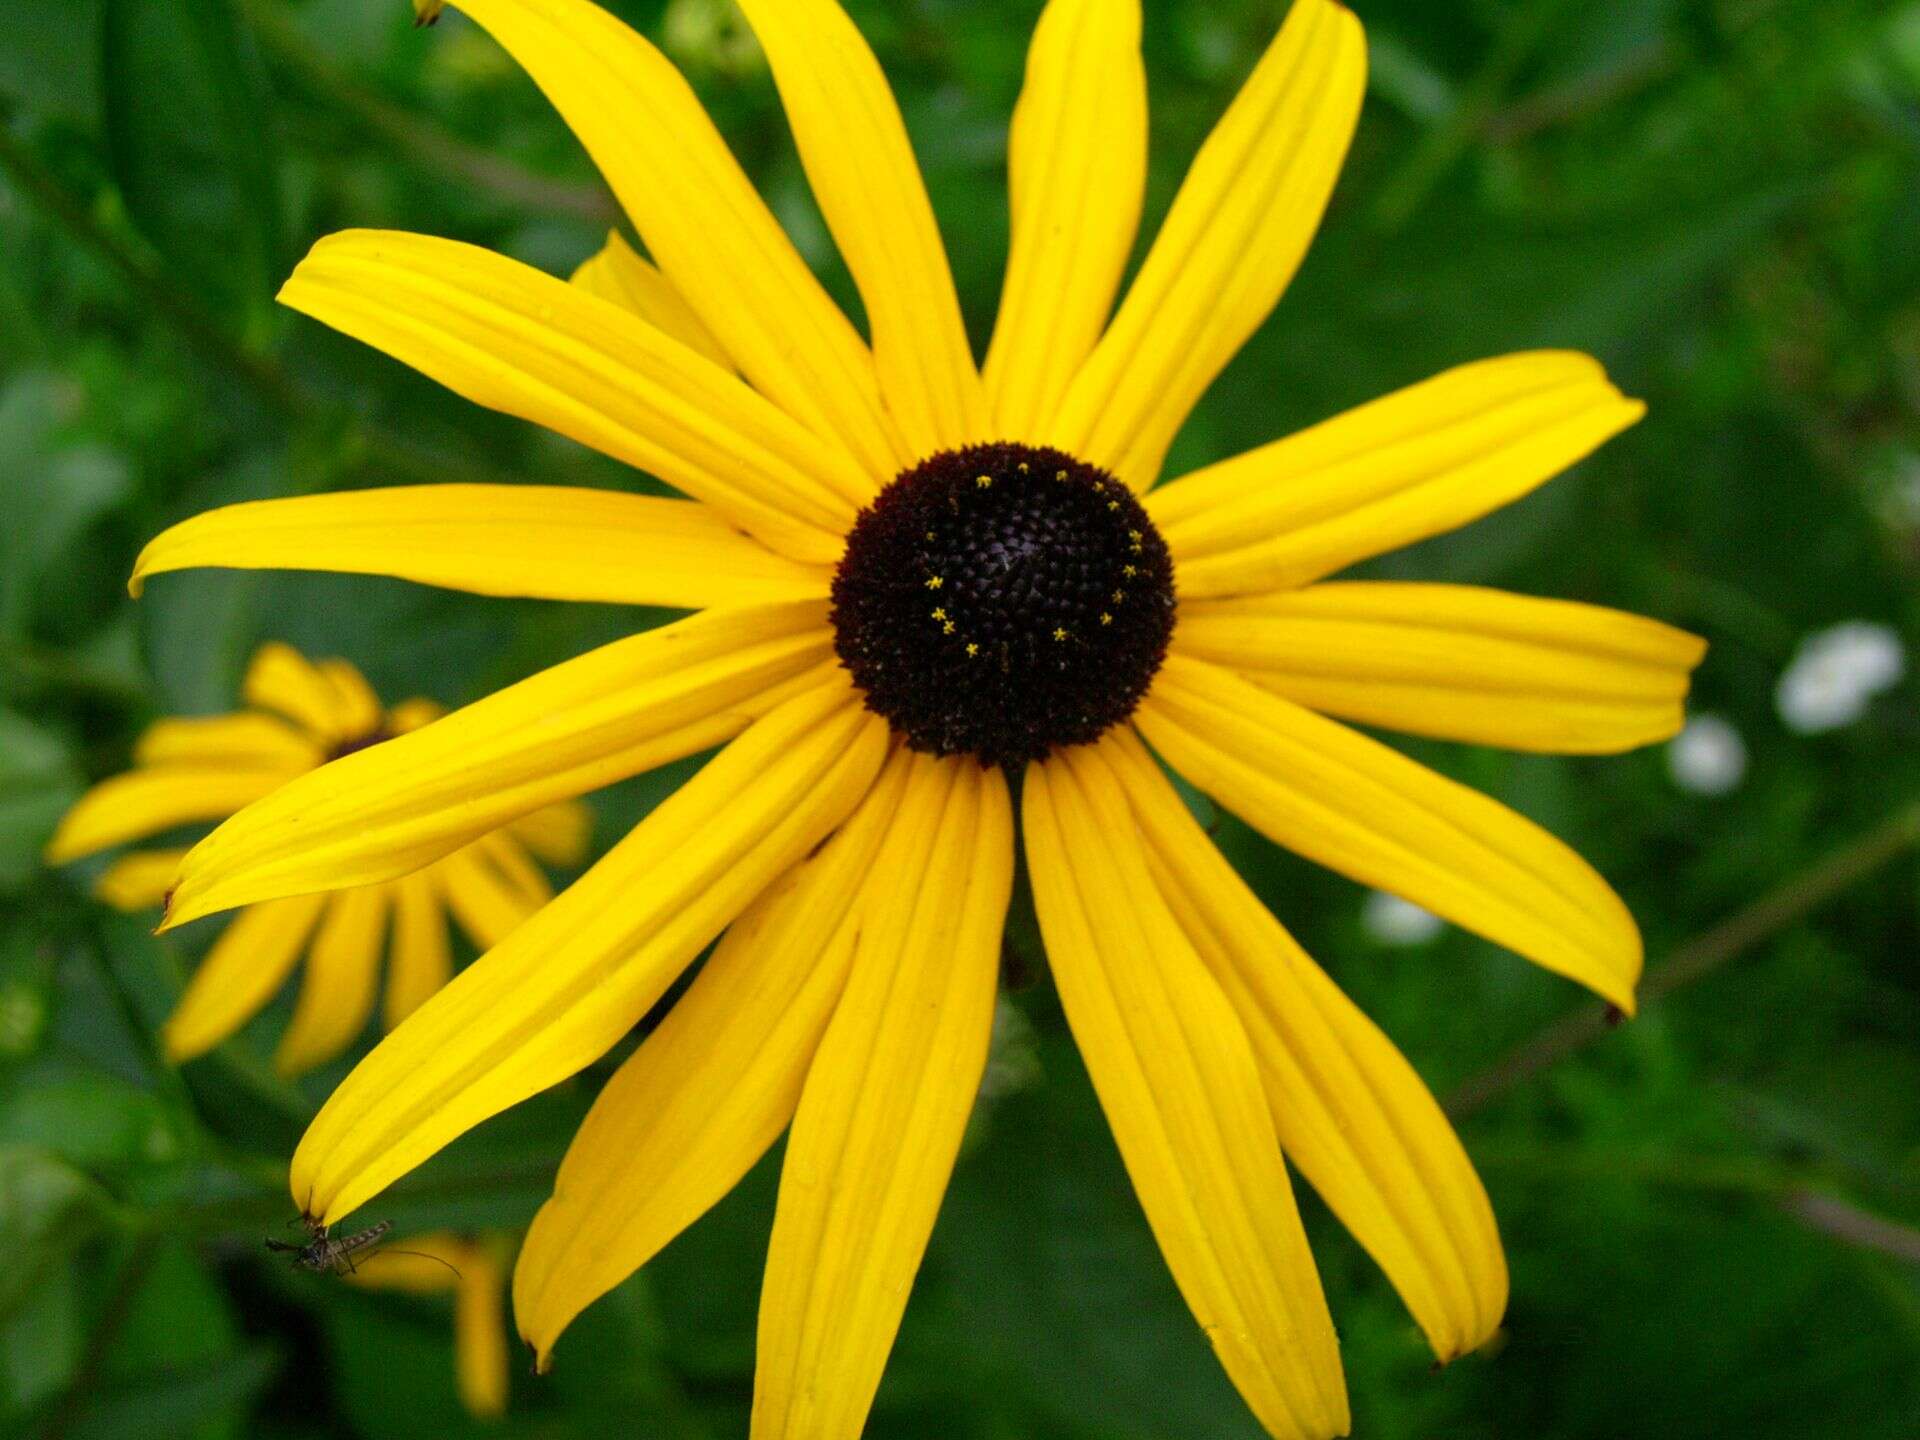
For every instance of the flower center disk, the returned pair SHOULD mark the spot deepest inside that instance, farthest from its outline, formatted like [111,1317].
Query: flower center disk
[1003,601]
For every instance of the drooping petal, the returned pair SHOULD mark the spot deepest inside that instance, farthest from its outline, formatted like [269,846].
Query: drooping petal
[384,811]
[854,146]
[1419,462]
[1236,233]
[480,1332]
[280,678]
[511,338]
[1457,662]
[705,1095]
[247,737]
[239,975]
[701,219]
[1349,1109]
[146,802]
[1358,807]
[558,834]
[882,1111]
[422,959]
[487,904]
[140,879]
[620,275]
[547,542]
[337,988]
[1177,1078]
[1077,163]
[573,979]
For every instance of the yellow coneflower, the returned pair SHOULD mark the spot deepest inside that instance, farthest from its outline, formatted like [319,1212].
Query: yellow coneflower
[473,1269]
[918,580]
[192,769]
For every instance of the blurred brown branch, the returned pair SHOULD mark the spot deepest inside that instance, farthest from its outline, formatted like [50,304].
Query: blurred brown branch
[1701,956]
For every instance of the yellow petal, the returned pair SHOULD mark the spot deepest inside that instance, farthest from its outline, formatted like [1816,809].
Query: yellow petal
[422,960]
[883,1109]
[336,993]
[545,541]
[1077,163]
[700,219]
[360,710]
[511,338]
[430,1264]
[1349,1110]
[488,906]
[559,834]
[854,146]
[280,678]
[247,738]
[139,880]
[146,802]
[480,1332]
[705,1095]
[1236,233]
[382,812]
[572,980]
[1369,812]
[1177,1079]
[1456,662]
[239,975]
[1416,463]
[619,275]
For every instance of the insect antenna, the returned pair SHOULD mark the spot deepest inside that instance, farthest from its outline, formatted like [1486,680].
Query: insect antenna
[422,1255]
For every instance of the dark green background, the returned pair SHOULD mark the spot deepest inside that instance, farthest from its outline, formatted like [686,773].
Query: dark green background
[1720,198]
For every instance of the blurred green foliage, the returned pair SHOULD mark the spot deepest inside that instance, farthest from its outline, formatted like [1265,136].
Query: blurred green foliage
[1720,198]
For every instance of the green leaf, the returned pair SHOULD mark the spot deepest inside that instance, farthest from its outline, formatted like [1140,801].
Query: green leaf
[190,138]
[47,1208]
[39,779]
[50,61]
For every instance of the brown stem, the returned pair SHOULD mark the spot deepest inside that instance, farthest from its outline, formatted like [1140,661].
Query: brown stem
[1701,956]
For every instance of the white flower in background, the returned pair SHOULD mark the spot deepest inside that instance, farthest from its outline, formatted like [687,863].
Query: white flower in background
[1835,673]
[1708,757]
[1393,921]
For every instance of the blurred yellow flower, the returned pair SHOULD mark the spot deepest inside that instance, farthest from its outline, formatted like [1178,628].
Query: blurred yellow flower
[917,578]
[199,768]
[474,1270]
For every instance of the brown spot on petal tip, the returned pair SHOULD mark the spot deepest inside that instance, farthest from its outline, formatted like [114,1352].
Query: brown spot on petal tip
[1615,1017]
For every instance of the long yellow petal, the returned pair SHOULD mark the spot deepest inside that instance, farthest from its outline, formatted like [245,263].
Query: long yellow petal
[1236,233]
[480,1332]
[384,811]
[883,1109]
[140,879]
[145,802]
[422,959]
[1178,1082]
[511,338]
[488,906]
[1077,163]
[239,975]
[247,738]
[705,1095]
[1349,1109]
[700,218]
[1419,462]
[1355,806]
[572,980]
[616,273]
[548,542]
[337,990]
[854,146]
[280,678]
[1456,662]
